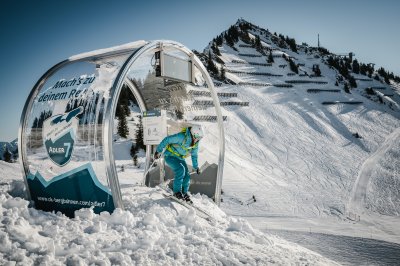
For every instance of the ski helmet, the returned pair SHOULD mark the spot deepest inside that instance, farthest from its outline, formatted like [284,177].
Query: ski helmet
[197,131]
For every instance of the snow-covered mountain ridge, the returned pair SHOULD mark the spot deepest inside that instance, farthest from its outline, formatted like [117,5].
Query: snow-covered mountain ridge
[11,146]
[301,144]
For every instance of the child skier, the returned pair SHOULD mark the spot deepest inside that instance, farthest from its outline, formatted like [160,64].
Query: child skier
[177,148]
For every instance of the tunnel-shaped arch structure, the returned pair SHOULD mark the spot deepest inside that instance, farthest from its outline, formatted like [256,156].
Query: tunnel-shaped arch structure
[69,138]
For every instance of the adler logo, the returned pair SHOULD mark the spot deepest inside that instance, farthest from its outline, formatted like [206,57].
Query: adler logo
[56,150]
[59,133]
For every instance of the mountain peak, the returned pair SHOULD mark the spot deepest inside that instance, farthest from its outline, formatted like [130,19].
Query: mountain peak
[241,20]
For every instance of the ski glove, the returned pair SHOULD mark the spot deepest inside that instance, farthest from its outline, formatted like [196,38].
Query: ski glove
[198,171]
[157,155]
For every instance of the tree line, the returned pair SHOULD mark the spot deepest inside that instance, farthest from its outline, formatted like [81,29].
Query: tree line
[122,113]
[345,66]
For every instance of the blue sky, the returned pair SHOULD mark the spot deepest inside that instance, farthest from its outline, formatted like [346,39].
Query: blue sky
[35,35]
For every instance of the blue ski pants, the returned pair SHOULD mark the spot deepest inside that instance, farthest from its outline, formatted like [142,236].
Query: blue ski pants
[181,172]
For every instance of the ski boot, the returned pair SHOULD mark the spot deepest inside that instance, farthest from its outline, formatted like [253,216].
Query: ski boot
[179,196]
[186,198]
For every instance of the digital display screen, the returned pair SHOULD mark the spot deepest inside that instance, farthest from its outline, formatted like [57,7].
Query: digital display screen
[176,68]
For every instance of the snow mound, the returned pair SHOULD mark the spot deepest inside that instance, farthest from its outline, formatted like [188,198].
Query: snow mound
[14,186]
[151,230]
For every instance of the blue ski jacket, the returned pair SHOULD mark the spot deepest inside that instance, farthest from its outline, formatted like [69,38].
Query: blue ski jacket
[179,145]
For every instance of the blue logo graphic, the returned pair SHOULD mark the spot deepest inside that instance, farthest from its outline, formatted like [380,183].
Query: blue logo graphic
[59,133]
[60,151]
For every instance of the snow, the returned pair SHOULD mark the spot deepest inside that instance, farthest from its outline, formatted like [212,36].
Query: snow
[293,166]
[12,147]
[127,46]
[300,160]
[151,230]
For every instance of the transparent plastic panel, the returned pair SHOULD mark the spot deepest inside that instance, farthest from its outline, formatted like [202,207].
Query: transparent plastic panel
[128,148]
[63,137]
[185,104]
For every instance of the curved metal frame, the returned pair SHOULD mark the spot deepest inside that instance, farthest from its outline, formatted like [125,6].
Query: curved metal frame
[28,106]
[117,86]
[110,112]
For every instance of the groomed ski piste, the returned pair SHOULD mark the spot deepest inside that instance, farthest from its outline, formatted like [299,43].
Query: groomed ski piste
[293,169]
[296,152]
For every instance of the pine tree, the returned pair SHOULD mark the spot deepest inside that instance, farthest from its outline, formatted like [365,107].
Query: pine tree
[293,66]
[6,154]
[292,44]
[356,66]
[229,40]
[352,82]
[363,69]
[219,40]
[179,114]
[139,135]
[348,64]
[123,130]
[135,160]
[346,88]
[316,70]
[370,91]
[382,72]
[234,34]
[343,69]
[35,123]
[126,109]
[270,57]
[133,150]
[222,73]
[15,154]
[133,153]
[119,110]
[257,43]
[211,67]
[215,49]
[281,43]
[123,101]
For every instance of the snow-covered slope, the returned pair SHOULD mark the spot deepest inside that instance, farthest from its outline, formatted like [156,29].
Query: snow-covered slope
[299,150]
[381,173]
[12,147]
[150,231]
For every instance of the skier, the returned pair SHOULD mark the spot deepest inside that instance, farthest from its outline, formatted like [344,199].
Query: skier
[177,148]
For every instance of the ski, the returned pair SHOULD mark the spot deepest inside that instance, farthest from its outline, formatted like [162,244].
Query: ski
[200,212]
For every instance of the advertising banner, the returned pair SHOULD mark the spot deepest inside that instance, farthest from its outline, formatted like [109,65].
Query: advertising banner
[63,139]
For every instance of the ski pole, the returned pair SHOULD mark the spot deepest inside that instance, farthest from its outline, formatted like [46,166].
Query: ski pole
[165,183]
[150,167]
[148,170]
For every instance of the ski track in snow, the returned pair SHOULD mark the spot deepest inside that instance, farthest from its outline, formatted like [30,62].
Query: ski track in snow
[379,175]
[287,122]
[299,157]
[357,200]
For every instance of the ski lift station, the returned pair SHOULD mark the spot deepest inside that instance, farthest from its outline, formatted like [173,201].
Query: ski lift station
[70,151]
